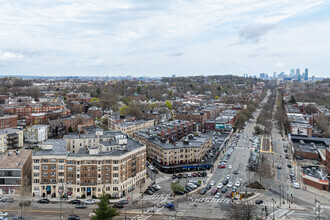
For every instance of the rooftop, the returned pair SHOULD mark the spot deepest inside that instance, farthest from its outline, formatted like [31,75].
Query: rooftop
[15,160]
[9,131]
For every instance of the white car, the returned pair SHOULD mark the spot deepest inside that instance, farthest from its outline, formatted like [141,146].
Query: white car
[296,185]
[229,166]
[90,201]
[189,174]
[212,183]
[230,184]
[228,177]
[157,187]
[220,185]
[192,185]
[217,195]
[3,213]
[238,183]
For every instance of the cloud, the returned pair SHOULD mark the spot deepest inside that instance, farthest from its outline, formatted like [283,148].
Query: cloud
[279,65]
[253,33]
[9,56]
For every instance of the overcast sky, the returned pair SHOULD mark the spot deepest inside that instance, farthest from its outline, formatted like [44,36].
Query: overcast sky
[164,37]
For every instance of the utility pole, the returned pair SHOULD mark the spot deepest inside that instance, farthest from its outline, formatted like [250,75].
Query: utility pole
[280,195]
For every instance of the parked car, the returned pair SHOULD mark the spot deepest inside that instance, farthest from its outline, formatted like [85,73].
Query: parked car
[174,176]
[3,213]
[230,166]
[296,185]
[81,206]
[124,202]
[43,201]
[148,192]
[175,180]
[212,183]
[259,201]
[225,181]
[73,217]
[208,186]
[157,186]
[224,189]
[180,176]
[230,184]
[235,172]
[234,189]
[299,158]
[289,165]
[238,183]
[218,195]
[189,174]
[214,191]
[184,175]
[7,200]
[279,166]
[195,175]
[202,191]
[179,192]
[90,201]
[220,185]
[228,177]
[118,206]
[75,201]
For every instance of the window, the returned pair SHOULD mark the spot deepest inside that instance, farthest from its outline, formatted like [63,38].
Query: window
[107,168]
[36,167]
[44,174]
[53,174]
[53,167]
[115,168]
[61,160]
[45,167]
[36,181]
[61,174]
[53,180]
[115,188]
[35,174]
[70,169]
[115,174]
[61,167]
[36,161]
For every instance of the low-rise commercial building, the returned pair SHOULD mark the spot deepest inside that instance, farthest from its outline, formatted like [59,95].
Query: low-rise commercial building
[15,172]
[115,165]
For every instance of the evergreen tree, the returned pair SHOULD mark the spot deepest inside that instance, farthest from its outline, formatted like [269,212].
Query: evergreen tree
[104,211]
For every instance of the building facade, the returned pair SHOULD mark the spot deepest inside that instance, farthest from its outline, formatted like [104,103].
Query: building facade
[15,173]
[8,121]
[11,139]
[36,134]
[115,165]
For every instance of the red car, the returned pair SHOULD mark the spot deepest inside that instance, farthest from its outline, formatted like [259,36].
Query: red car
[195,174]
[214,191]
[228,195]
[222,166]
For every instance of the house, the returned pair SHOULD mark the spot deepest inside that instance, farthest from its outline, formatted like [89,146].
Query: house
[36,134]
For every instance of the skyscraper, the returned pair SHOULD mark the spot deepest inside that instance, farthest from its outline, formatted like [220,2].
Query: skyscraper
[306,74]
[292,72]
[297,72]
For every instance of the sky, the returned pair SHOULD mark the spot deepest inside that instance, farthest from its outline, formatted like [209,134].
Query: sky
[164,37]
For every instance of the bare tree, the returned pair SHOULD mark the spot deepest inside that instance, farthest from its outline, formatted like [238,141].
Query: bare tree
[242,211]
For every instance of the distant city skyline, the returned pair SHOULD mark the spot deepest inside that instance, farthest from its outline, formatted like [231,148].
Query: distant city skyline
[162,38]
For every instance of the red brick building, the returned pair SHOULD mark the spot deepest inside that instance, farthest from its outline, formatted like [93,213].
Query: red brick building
[8,121]
[327,155]
[22,111]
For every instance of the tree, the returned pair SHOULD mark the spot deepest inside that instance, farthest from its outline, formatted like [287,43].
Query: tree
[177,187]
[124,110]
[168,104]
[292,100]
[258,129]
[104,211]
[216,97]
[242,211]
[70,129]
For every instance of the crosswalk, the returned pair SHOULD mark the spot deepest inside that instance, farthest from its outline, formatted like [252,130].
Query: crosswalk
[209,199]
[281,213]
[156,197]
[162,178]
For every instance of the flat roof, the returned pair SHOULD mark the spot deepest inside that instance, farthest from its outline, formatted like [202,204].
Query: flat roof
[15,161]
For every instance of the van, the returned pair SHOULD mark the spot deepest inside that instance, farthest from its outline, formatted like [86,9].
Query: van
[296,185]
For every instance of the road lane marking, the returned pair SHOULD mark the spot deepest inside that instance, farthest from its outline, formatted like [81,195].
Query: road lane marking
[275,212]
[288,214]
[282,213]
[29,210]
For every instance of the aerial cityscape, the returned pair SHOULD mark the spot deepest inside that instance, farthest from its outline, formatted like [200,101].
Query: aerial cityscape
[164,110]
